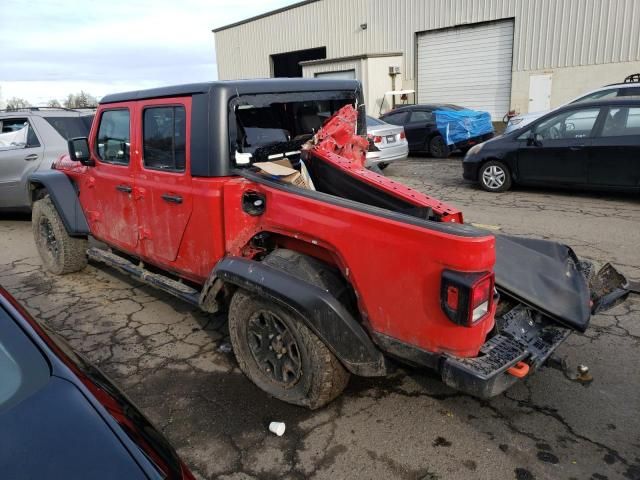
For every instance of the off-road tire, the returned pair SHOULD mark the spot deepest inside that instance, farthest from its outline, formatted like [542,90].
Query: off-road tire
[438,148]
[69,254]
[506,183]
[322,376]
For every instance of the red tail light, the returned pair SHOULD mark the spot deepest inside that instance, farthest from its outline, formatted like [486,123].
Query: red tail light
[377,139]
[402,135]
[466,298]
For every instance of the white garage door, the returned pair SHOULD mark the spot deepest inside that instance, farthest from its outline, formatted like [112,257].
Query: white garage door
[468,66]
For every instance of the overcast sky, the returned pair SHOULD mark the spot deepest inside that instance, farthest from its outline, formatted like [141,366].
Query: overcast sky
[51,48]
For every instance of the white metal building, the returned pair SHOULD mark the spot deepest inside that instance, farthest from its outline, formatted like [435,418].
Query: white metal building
[494,55]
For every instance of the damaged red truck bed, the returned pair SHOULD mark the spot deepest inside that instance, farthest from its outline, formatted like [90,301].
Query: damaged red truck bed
[318,283]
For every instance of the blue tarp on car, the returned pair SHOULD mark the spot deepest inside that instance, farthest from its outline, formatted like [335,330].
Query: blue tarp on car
[460,125]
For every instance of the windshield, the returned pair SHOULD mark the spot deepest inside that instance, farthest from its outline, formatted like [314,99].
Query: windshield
[71,127]
[23,369]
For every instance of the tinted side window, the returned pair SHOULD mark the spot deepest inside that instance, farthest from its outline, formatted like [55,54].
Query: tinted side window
[421,116]
[113,137]
[395,118]
[164,138]
[70,127]
[621,122]
[629,92]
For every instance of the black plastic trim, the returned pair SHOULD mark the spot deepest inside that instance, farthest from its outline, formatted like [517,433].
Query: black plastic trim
[321,312]
[64,196]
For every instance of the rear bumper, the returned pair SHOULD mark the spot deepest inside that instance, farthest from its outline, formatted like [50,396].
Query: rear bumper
[473,141]
[387,154]
[522,337]
[490,373]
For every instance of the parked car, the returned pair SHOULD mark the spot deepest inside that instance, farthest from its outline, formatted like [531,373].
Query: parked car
[629,88]
[61,417]
[588,145]
[387,143]
[423,135]
[184,207]
[31,139]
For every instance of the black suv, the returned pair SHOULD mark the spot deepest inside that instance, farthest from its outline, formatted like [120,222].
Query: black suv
[589,145]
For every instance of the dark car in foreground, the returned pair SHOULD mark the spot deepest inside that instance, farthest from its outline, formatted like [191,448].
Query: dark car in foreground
[60,417]
[419,122]
[592,145]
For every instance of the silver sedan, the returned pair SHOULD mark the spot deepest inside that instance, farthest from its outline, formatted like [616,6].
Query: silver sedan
[387,143]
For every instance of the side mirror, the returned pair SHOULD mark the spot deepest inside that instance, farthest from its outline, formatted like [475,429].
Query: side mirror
[79,151]
[534,139]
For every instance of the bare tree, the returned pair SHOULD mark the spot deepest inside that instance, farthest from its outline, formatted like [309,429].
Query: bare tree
[54,103]
[80,100]
[16,103]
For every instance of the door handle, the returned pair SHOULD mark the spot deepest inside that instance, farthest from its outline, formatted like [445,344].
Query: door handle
[171,198]
[33,156]
[124,188]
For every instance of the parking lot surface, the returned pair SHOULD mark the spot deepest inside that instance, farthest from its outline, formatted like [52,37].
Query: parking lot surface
[174,362]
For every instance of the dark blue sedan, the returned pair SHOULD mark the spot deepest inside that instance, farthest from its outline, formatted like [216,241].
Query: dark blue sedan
[60,417]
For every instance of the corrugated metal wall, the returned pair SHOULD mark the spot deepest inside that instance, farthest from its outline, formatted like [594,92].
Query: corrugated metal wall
[548,33]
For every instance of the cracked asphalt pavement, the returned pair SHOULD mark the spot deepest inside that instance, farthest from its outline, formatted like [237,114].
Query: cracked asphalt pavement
[173,361]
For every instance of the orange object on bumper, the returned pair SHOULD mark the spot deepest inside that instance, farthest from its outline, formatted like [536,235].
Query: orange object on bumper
[519,370]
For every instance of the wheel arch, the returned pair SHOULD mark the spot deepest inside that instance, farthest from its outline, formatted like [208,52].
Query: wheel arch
[64,196]
[325,315]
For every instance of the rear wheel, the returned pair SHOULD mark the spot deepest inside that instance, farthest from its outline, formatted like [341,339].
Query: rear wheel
[495,176]
[383,165]
[438,148]
[60,252]
[274,347]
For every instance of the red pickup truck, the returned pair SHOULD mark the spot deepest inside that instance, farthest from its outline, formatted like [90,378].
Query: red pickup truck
[168,181]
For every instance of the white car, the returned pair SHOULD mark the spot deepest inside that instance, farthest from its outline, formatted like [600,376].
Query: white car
[387,143]
[629,88]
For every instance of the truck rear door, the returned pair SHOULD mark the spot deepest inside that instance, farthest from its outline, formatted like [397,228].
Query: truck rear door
[163,182]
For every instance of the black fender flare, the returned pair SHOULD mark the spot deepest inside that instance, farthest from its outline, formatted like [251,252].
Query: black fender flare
[64,196]
[320,311]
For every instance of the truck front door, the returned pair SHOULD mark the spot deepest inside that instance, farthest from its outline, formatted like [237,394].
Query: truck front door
[163,182]
[107,196]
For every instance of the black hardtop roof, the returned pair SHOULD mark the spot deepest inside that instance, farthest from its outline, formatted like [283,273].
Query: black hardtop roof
[237,87]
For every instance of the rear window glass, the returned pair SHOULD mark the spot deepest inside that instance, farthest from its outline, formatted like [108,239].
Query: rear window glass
[71,127]
[268,125]
[373,122]
[23,369]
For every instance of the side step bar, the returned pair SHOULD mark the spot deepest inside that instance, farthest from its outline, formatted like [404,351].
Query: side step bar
[169,285]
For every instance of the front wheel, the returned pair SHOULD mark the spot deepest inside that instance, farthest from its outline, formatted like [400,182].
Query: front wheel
[438,148]
[60,252]
[495,176]
[281,355]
